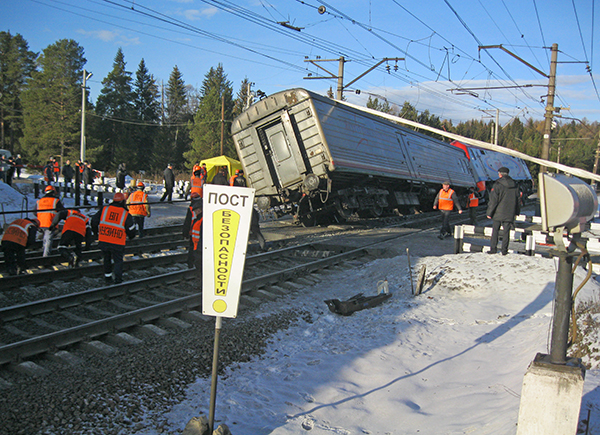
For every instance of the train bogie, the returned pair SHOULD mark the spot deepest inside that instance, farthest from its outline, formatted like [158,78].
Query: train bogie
[319,158]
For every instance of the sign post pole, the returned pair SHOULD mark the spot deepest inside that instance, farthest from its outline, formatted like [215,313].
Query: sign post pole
[226,216]
[213,385]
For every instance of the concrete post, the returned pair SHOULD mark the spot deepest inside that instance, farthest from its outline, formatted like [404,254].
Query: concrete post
[551,398]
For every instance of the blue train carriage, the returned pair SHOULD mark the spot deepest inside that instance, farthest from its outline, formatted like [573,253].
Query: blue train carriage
[319,159]
[486,164]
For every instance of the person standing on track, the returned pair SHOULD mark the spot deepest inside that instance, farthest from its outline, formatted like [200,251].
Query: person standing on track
[113,225]
[192,229]
[67,172]
[238,179]
[169,178]
[221,177]
[19,235]
[445,201]
[75,231]
[139,207]
[48,173]
[47,207]
[472,204]
[255,229]
[504,206]
[196,181]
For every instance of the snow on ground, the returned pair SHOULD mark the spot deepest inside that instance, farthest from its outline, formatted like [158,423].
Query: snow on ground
[450,361]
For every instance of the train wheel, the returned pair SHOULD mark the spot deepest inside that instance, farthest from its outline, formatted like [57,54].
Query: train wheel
[308,220]
[376,211]
[343,213]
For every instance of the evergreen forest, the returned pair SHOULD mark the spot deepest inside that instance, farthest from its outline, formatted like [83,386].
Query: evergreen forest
[148,124]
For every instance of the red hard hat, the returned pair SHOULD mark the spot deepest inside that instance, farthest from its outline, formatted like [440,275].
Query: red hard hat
[195,195]
[140,184]
[118,197]
[49,189]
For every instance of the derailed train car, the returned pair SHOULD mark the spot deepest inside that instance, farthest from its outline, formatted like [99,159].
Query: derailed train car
[312,156]
[486,164]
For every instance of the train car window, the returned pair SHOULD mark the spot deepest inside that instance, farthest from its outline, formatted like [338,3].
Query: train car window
[279,146]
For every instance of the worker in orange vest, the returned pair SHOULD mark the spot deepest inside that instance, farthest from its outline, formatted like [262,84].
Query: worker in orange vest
[238,179]
[192,229]
[445,201]
[19,235]
[197,181]
[75,231]
[113,225]
[47,207]
[139,208]
[472,205]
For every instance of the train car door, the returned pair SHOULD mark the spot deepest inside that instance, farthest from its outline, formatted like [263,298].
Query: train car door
[285,153]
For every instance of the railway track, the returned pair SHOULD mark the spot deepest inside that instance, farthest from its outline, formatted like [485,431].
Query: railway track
[39,327]
[34,328]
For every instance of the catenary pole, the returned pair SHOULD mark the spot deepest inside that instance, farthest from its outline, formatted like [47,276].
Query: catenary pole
[340,82]
[86,76]
[549,107]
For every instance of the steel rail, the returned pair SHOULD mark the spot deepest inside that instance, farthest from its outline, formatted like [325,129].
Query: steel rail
[34,346]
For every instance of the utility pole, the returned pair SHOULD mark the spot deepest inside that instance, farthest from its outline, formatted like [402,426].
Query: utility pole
[340,75]
[496,128]
[86,76]
[549,106]
[549,101]
[222,121]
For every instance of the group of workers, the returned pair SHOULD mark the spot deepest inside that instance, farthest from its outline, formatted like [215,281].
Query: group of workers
[112,225]
[504,206]
[192,226]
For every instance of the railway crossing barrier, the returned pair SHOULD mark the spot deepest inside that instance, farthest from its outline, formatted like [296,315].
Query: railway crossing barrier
[530,239]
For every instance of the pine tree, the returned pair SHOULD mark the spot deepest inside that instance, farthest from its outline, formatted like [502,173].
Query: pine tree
[374,104]
[16,66]
[206,128]
[174,137]
[147,112]
[115,105]
[52,103]
[244,98]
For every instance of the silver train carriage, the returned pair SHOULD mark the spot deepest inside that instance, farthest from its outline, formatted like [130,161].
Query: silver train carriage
[317,158]
[486,164]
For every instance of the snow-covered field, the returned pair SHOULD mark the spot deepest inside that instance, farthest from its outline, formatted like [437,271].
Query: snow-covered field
[450,361]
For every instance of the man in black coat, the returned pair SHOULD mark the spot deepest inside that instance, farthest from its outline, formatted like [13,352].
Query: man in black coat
[67,172]
[169,183]
[503,207]
[121,174]
[221,177]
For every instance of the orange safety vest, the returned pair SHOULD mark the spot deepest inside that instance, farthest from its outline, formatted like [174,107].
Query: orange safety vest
[112,225]
[76,221]
[56,167]
[232,180]
[473,200]
[445,200]
[196,233]
[17,232]
[46,217]
[137,203]
[197,183]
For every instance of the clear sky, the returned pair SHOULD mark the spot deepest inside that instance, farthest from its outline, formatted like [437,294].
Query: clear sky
[443,70]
